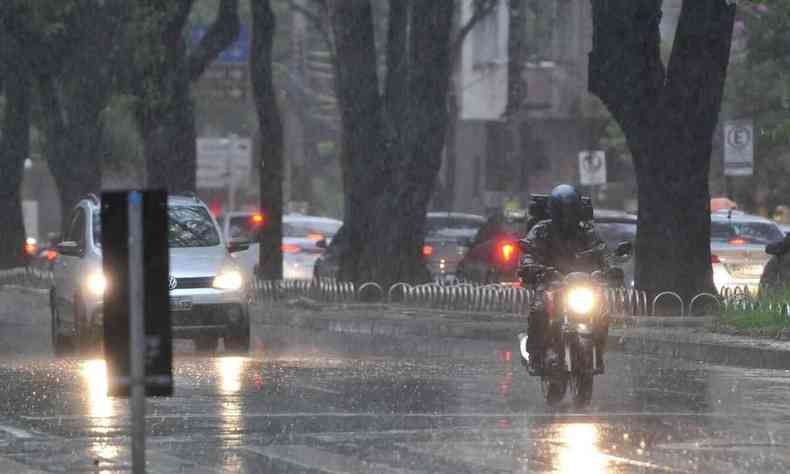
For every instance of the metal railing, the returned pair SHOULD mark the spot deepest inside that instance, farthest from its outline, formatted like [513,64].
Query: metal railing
[461,296]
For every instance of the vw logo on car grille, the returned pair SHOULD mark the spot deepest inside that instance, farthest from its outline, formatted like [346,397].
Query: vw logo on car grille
[173,282]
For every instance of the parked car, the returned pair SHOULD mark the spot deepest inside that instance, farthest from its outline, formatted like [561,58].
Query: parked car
[738,243]
[447,236]
[209,291]
[301,234]
[494,255]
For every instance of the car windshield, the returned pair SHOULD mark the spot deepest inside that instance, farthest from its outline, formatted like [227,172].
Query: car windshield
[188,226]
[243,228]
[751,232]
[309,228]
[452,228]
[191,226]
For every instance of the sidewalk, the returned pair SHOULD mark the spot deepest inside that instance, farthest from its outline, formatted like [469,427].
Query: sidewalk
[686,338]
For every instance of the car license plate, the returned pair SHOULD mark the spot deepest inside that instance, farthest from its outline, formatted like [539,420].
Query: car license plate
[180,304]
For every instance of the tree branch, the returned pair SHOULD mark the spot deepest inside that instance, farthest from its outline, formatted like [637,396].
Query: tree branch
[482,8]
[271,139]
[318,20]
[175,16]
[220,35]
[625,68]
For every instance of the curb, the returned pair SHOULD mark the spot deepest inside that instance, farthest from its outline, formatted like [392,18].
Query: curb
[25,289]
[679,341]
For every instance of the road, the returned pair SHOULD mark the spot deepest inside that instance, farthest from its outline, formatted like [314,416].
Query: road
[319,403]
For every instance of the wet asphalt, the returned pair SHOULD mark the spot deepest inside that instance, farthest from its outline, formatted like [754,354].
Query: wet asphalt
[327,403]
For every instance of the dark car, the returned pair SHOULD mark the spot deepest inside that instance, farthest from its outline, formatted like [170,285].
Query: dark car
[494,254]
[447,236]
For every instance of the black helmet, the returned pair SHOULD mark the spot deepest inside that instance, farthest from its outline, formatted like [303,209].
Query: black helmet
[565,209]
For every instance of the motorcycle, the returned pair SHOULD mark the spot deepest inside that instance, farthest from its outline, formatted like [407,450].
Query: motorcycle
[577,325]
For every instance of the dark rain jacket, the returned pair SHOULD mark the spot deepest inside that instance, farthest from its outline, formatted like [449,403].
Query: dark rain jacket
[584,252]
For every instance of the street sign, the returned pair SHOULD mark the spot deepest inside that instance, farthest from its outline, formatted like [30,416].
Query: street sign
[223,162]
[592,168]
[120,301]
[738,148]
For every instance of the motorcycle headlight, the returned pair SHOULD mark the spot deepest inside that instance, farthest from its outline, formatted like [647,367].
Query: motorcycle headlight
[581,300]
[96,283]
[228,280]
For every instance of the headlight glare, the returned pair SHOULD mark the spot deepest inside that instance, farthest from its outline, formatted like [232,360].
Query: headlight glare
[581,300]
[228,280]
[96,283]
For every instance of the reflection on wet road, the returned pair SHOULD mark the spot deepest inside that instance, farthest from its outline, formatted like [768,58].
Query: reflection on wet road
[317,403]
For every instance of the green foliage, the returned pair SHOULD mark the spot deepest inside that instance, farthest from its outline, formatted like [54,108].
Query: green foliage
[760,318]
[123,146]
[758,87]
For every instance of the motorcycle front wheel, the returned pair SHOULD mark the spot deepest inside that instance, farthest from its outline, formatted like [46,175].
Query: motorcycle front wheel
[554,388]
[582,376]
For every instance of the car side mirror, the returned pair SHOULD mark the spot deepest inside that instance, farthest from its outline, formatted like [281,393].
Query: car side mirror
[238,246]
[321,244]
[69,248]
[624,249]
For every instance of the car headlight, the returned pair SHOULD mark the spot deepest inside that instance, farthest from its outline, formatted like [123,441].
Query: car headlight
[228,280]
[581,300]
[96,283]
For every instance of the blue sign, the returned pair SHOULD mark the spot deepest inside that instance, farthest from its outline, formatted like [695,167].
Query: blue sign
[236,53]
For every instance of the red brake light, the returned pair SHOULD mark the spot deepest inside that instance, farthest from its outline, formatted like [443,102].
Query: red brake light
[427,250]
[508,251]
[715,259]
[737,241]
[291,248]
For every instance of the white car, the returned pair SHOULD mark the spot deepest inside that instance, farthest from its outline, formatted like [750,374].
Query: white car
[301,233]
[209,291]
[737,245]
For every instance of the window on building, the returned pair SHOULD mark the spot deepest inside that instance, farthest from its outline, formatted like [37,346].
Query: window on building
[541,25]
[486,42]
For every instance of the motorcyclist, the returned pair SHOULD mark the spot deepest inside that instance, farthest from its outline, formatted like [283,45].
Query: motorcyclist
[566,242]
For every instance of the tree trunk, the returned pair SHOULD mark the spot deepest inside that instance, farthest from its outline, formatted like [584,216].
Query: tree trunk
[392,145]
[73,130]
[668,117]
[271,133]
[14,149]
[363,156]
[169,143]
